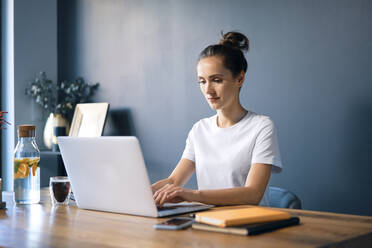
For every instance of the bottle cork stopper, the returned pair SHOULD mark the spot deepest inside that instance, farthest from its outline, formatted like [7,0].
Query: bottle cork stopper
[26,131]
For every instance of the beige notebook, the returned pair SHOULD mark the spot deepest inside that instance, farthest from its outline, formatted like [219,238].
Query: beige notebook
[240,216]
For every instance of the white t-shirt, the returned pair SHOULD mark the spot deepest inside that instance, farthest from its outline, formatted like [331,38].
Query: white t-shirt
[223,156]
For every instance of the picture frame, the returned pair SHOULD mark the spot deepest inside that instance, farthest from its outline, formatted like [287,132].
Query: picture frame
[89,119]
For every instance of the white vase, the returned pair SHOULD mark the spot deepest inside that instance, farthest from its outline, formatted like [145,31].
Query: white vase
[54,120]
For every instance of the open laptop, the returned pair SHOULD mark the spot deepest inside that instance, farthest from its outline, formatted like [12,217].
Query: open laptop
[109,174]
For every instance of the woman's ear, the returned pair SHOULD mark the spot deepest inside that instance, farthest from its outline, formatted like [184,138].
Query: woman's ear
[240,78]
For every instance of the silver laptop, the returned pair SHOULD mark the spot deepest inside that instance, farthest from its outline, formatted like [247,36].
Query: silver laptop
[109,174]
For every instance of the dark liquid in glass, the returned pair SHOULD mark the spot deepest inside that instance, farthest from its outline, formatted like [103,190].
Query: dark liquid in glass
[60,190]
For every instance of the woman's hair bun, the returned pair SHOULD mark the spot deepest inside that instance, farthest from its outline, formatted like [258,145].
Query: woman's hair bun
[236,40]
[230,49]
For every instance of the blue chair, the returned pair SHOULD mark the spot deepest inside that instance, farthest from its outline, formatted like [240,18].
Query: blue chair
[282,198]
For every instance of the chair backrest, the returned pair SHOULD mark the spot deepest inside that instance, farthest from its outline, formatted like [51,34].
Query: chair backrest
[282,198]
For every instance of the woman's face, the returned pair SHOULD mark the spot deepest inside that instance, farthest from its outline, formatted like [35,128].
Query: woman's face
[218,85]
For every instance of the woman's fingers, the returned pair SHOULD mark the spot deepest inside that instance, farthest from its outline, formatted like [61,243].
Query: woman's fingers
[166,193]
[161,195]
[163,199]
[176,196]
[162,189]
[169,193]
[175,193]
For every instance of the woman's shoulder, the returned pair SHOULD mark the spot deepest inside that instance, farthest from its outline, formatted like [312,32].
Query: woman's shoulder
[259,118]
[207,121]
[259,121]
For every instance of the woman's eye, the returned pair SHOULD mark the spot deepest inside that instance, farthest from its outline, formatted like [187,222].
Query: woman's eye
[217,80]
[201,82]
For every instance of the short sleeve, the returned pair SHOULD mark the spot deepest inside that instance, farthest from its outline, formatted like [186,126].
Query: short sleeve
[266,148]
[189,152]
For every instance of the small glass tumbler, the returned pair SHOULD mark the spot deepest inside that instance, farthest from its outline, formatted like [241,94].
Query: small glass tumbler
[60,190]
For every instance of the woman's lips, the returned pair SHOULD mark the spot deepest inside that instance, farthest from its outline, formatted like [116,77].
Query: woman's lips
[213,99]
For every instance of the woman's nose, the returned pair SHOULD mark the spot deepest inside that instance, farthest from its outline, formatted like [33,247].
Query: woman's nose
[208,87]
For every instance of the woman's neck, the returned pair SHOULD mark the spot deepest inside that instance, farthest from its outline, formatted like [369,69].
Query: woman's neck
[229,117]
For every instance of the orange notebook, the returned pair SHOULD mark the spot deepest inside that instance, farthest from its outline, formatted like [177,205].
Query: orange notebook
[240,216]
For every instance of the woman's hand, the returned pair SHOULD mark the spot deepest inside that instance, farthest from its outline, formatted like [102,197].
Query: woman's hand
[158,185]
[174,194]
[180,175]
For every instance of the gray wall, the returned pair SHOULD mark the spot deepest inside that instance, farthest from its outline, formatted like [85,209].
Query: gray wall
[309,69]
[35,50]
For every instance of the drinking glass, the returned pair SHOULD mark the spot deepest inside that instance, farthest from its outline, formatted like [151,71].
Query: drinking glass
[60,190]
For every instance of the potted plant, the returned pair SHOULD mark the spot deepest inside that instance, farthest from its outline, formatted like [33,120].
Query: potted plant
[58,100]
[3,122]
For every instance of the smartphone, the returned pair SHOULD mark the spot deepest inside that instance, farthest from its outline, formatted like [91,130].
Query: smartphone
[175,223]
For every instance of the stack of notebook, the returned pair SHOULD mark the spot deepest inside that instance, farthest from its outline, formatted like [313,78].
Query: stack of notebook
[243,221]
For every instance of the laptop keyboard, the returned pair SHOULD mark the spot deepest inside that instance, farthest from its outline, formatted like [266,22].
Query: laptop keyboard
[168,209]
[163,208]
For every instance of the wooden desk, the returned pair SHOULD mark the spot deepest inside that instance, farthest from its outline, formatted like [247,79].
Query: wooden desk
[41,225]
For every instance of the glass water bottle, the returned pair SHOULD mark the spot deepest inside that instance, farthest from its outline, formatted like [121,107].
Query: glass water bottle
[26,167]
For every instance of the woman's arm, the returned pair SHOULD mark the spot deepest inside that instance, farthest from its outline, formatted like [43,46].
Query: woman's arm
[257,180]
[180,175]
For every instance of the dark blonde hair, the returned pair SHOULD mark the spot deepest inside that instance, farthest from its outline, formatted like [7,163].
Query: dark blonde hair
[230,49]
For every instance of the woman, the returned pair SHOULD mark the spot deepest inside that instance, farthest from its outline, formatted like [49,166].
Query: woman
[233,152]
